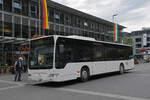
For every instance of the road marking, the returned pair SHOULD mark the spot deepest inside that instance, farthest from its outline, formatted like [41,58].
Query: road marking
[17,84]
[117,96]
[10,82]
[102,94]
[10,87]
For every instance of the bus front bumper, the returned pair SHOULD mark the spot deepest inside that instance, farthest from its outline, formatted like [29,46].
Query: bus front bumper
[38,78]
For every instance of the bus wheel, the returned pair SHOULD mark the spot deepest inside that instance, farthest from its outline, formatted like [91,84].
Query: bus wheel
[121,69]
[85,74]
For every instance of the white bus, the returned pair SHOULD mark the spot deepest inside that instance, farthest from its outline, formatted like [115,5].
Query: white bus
[62,58]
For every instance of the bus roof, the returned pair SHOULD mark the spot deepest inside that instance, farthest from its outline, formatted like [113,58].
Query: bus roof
[81,38]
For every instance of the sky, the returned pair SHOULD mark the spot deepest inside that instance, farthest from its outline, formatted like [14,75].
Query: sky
[133,14]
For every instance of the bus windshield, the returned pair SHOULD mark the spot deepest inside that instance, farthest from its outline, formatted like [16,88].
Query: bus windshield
[41,53]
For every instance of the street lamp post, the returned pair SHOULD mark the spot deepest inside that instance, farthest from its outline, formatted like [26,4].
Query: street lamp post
[113,17]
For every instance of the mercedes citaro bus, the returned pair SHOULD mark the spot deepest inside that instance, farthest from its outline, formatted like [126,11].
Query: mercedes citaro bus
[61,58]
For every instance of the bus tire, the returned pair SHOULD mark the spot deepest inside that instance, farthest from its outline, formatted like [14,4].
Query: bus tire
[121,69]
[85,74]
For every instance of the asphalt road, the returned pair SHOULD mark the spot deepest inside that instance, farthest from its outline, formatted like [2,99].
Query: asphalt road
[134,85]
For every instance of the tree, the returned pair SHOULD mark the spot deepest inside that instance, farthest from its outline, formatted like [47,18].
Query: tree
[127,40]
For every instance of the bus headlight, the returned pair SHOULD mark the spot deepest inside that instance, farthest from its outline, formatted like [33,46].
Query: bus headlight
[53,75]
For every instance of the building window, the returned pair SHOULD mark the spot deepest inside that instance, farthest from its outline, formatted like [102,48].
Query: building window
[85,24]
[34,28]
[1,1]
[97,27]
[102,37]
[17,4]
[25,7]
[61,18]
[51,14]
[137,51]
[138,40]
[1,54]
[7,5]
[61,30]
[73,20]
[79,22]
[57,29]
[1,29]
[57,17]
[67,31]
[92,26]
[51,30]
[25,28]
[1,25]
[67,19]
[17,27]
[148,38]
[34,9]
[148,44]
[8,25]
[138,45]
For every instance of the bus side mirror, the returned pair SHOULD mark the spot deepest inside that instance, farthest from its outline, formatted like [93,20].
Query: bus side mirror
[61,48]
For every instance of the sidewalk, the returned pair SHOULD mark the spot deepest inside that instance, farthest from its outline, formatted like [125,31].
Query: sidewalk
[10,77]
[7,81]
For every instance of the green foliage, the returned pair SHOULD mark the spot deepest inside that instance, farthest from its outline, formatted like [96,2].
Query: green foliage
[128,40]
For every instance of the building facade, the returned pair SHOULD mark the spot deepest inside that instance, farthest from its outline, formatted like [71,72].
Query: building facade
[141,43]
[22,19]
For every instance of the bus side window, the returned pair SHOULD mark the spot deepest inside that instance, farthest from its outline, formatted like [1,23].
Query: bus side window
[61,48]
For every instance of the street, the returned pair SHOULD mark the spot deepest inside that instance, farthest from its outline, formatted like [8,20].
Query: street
[133,85]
